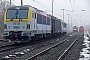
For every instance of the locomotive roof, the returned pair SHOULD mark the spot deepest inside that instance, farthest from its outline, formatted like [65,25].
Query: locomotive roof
[18,7]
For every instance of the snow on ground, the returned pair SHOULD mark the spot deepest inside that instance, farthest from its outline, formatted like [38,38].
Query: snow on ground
[85,53]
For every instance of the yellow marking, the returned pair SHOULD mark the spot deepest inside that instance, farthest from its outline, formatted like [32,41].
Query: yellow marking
[6,30]
[15,31]
[24,30]
[17,20]
[29,13]
[61,22]
[30,25]
[5,15]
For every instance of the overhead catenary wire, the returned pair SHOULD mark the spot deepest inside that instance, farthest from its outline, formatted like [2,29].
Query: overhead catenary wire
[57,7]
[42,5]
[73,10]
[45,7]
[76,9]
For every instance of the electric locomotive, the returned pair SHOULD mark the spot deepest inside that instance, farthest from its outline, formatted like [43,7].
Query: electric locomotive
[75,29]
[81,29]
[25,23]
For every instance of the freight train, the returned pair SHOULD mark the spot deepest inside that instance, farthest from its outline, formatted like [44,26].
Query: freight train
[25,23]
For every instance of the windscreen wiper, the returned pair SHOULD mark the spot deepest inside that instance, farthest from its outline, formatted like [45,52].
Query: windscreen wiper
[16,13]
[11,19]
[20,19]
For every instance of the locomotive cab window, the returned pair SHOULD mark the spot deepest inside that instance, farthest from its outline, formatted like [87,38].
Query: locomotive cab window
[16,13]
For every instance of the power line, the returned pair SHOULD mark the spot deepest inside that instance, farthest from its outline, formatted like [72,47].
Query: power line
[45,6]
[42,5]
[71,5]
[72,8]
[76,9]
[57,6]
[15,2]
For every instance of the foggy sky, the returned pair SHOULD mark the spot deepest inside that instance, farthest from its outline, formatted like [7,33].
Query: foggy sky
[81,17]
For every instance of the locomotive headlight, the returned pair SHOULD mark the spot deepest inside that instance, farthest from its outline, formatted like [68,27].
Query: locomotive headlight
[6,33]
[5,26]
[24,33]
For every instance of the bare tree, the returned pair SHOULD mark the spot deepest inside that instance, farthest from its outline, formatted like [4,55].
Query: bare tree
[3,5]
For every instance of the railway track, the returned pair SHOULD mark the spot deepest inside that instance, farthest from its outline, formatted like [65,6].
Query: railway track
[12,46]
[27,45]
[15,46]
[54,46]
[68,49]
[7,47]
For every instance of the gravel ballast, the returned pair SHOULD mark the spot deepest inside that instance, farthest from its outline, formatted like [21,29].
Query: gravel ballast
[74,53]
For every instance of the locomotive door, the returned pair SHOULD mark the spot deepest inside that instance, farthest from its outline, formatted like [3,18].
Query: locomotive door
[34,20]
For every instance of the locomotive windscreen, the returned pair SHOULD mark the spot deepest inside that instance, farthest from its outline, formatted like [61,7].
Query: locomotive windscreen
[12,13]
[75,27]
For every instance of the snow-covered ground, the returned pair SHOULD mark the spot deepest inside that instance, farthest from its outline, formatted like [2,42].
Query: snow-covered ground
[85,53]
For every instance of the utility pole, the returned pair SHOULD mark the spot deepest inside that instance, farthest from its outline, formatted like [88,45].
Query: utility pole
[68,19]
[10,2]
[21,2]
[52,7]
[63,14]
[71,21]
[52,15]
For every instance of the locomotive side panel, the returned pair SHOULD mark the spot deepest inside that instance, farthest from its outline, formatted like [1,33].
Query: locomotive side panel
[57,26]
[63,27]
[43,23]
